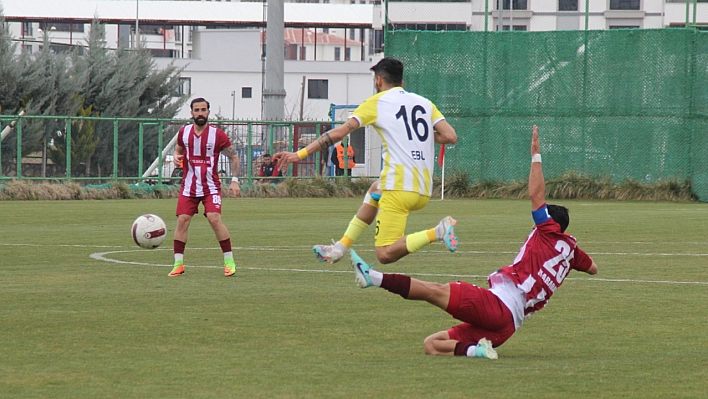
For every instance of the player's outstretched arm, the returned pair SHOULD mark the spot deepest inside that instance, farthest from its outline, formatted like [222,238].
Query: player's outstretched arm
[537,186]
[321,144]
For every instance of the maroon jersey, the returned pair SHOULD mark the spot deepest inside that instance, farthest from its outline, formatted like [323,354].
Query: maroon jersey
[544,261]
[200,176]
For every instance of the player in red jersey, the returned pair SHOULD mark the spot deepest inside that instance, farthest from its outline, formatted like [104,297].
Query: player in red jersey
[491,316]
[199,145]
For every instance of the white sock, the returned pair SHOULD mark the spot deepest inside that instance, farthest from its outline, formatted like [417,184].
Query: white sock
[341,247]
[229,254]
[376,277]
[440,231]
[179,257]
[471,351]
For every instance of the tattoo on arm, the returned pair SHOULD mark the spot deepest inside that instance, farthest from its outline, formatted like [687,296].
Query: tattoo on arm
[325,141]
[230,151]
[235,162]
[350,128]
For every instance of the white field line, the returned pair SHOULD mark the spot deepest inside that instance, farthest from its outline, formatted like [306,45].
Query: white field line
[300,248]
[102,256]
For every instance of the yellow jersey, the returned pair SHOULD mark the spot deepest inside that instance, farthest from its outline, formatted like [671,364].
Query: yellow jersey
[405,123]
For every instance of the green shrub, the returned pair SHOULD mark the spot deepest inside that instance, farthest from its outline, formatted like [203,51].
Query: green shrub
[567,186]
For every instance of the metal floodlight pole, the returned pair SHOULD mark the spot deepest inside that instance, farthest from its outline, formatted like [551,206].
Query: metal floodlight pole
[233,105]
[500,11]
[274,93]
[136,42]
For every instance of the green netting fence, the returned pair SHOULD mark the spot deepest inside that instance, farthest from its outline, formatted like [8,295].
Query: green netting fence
[628,104]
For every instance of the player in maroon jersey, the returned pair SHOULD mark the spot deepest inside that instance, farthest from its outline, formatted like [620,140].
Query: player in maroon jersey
[491,316]
[198,147]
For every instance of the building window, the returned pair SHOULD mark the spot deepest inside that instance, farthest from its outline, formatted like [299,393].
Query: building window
[185,87]
[61,27]
[27,29]
[160,53]
[337,53]
[567,5]
[518,4]
[624,4]
[348,54]
[27,48]
[325,30]
[352,34]
[147,29]
[375,41]
[246,92]
[624,27]
[318,88]
[516,27]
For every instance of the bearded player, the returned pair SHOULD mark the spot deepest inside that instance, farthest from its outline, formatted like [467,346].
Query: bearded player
[199,145]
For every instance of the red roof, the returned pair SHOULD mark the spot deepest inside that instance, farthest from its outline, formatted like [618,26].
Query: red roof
[298,36]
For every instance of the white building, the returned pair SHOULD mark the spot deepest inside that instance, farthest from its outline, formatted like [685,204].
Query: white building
[230,76]
[329,45]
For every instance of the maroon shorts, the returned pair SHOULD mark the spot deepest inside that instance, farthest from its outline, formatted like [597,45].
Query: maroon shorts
[190,205]
[483,313]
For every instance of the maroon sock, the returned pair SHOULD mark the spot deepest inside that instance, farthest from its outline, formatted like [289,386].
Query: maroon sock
[225,245]
[461,348]
[179,247]
[397,283]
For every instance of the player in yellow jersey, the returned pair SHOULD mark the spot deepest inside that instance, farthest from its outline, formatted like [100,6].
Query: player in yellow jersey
[409,126]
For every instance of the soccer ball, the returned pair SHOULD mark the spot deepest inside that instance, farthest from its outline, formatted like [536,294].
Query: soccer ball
[149,231]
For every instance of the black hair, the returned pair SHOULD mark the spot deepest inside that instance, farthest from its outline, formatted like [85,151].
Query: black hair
[390,69]
[265,155]
[198,100]
[560,215]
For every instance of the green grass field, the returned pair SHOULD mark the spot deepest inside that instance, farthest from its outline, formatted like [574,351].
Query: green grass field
[84,313]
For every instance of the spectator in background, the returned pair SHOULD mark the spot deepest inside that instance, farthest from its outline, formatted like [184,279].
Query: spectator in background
[337,159]
[268,168]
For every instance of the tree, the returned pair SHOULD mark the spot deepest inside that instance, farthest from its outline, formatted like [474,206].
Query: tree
[50,90]
[98,81]
[126,83]
[83,143]
[12,81]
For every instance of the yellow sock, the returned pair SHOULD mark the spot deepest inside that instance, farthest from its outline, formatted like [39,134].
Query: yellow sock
[354,230]
[416,241]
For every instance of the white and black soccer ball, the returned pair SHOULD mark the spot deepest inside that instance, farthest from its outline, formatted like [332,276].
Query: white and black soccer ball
[149,231]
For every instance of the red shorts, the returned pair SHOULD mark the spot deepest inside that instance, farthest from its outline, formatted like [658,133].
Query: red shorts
[483,313]
[190,205]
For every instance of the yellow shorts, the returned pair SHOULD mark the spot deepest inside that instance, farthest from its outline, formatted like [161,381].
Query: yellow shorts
[394,207]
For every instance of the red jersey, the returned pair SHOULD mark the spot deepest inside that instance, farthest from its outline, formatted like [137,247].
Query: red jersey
[544,261]
[200,175]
